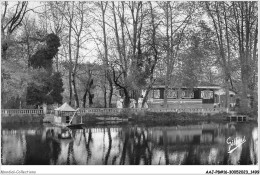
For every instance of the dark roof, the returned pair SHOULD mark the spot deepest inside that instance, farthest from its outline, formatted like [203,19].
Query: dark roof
[161,82]
[203,83]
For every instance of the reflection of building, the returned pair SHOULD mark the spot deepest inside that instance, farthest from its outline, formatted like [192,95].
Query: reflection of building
[181,135]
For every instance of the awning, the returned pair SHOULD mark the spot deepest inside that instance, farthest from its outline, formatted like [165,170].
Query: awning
[65,107]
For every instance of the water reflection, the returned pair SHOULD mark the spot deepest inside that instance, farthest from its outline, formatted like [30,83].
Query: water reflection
[135,145]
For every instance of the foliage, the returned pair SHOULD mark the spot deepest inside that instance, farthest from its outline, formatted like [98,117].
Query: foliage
[44,56]
[51,84]
[57,87]
[45,89]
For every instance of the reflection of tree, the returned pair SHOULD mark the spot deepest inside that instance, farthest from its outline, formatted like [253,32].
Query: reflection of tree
[135,143]
[223,151]
[49,149]
[55,151]
[109,147]
[193,156]
[88,142]
[119,148]
[136,147]
[71,154]
[122,160]
[145,141]
[245,153]
[226,160]
[114,159]
[253,146]
[165,146]
[55,148]
[233,131]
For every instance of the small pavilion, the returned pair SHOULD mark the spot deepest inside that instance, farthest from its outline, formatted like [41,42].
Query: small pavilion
[65,115]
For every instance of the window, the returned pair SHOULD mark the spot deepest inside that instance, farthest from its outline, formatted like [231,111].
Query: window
[207,94]
[150,94]
[156,93]
[172,93]
[187,94]
[67,119]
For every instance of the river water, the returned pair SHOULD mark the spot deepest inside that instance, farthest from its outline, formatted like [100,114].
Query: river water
[187,144]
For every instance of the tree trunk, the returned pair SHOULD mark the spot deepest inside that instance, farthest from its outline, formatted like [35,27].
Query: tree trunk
[110,94]
[75,90]
[84,99]
[70,87]
[70,62]
[244,99]
[154,47]
[146,94]
[107,74]
[165,147]
[4,50]
[227,105]
[126,99]
[90,99]
[167,57]
[109,146]
[105,97]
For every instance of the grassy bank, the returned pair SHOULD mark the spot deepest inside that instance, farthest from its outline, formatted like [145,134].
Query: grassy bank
[172,117]
[25,118]
[144,116]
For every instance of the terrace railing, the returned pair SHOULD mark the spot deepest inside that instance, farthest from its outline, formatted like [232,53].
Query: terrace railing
[21,111]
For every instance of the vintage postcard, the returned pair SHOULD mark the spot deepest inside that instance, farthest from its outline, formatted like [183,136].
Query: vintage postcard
[140,83]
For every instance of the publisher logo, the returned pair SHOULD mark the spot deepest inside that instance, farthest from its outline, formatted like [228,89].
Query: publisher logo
[235,143]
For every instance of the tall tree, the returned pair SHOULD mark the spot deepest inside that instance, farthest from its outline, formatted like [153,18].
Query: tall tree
[10,22]
[51,88]
[153,52]
[126,45]
[235,25]
[108,75]
[245,26]
[223,55]
[75,15]
[174,32]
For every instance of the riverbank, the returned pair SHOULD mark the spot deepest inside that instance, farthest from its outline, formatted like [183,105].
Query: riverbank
[171,118]
[136,117]
[145,116]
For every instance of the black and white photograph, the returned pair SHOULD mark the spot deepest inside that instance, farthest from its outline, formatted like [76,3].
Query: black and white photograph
[129,83]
